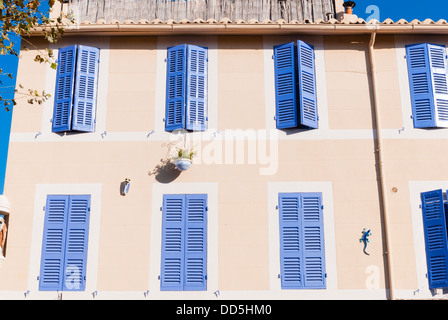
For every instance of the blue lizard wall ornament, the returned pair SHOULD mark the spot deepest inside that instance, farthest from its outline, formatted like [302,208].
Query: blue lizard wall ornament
[365,239]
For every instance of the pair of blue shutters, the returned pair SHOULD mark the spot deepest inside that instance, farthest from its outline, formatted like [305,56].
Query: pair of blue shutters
[302,249]
[184,243]
[186,93]
[427,69]
[65,241]
[76,89]
[434,211]
[295,86]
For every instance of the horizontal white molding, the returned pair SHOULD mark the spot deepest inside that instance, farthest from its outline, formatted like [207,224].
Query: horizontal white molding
[225,296]
[211,134]
[232,134]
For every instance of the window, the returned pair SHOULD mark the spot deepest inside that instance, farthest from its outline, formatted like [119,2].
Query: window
[302,250]
[427,70]
[65,242]
[434,210]
[295,86]
[184,243]
[186,93]
[76,89]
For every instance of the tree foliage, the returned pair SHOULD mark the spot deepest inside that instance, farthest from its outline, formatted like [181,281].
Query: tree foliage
[21,17]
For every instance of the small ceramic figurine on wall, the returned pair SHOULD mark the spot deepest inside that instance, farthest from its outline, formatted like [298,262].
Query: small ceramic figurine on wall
[364,239]
[124,188]
[3,231]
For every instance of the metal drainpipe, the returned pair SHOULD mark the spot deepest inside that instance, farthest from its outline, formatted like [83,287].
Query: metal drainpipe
[381,164]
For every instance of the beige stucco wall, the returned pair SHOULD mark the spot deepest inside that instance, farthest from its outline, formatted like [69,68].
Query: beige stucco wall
[31,75]
[243,238]
[388,83]
[131,84]
[410,159]
[348,82]
[340,157]
[241,82]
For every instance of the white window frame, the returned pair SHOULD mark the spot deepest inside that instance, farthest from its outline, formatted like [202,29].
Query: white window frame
[415,189]
[42,191]
[321,86]
[211,189]
[46,133]
[326,189]
[408,131]
[163,43]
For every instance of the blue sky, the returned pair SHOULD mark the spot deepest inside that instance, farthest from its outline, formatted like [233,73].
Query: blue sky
[406,9]
[8,64]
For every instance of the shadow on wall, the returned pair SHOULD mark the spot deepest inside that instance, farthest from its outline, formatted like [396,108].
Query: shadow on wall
[165,171]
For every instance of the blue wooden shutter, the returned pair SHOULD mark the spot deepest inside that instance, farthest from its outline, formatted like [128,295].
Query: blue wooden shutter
[53,245]
[77,243]
[175,88]
[434,225]
[307,85]
[422,99]
[196,242]
[313,241]
[439,69]
[285,86]
[196,90]
[173,230]
[291,264]
[302,250]
[86,83]
[63,99]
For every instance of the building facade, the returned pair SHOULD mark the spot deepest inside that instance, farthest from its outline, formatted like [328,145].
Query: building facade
[307,135]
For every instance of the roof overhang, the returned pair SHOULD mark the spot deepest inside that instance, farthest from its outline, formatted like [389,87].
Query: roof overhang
[212,27]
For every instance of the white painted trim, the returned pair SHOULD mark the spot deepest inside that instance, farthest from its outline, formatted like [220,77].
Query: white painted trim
[41,193]
[321,84]
[143,136]
[343,294]
[48,106]
[403,81]
[269,82]
[415,189]
[103,85]
[211,189]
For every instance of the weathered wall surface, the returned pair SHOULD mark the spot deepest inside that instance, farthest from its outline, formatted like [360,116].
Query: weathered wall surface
[121,10]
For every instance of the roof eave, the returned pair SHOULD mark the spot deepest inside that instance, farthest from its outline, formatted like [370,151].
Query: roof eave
[118,29]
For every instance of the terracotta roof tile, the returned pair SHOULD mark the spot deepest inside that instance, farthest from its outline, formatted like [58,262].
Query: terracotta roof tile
[356,20]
